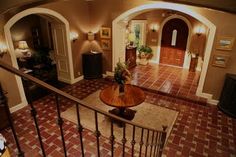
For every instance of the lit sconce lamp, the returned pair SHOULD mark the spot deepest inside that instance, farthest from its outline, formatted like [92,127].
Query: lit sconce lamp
[74,36]
[91,36]
[199,30]
[3,49]
[23,46]
[154,27]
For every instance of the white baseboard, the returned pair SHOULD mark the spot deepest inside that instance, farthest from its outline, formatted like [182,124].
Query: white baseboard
[208,96]
[77,79]
[18,107]
[212,101]
[109,73]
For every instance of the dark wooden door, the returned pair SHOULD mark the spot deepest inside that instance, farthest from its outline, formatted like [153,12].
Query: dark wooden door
[173,54]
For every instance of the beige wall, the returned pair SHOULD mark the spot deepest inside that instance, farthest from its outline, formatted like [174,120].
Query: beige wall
[90,16]
[225,24]
[22,29]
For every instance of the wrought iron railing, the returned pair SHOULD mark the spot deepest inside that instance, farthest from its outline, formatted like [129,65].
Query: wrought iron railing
[150,143]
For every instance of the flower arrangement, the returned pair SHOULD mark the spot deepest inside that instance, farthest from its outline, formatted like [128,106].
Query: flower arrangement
[122,74]
[145,52]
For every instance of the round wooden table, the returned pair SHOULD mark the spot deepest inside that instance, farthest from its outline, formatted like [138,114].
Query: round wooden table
[131,97]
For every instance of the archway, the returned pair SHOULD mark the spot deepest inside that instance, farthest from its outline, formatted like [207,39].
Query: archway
[187,58]
[118,31]
[51,15]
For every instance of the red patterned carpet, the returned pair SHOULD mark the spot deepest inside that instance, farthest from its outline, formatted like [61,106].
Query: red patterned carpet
[198,131]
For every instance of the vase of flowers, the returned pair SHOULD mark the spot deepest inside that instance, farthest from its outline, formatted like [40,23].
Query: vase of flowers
[121,76]
[145,53]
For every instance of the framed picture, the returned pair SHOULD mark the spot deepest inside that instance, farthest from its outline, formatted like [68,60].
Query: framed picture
[224,43]
[105,44]
[105,32]
[138,31]
[220,60]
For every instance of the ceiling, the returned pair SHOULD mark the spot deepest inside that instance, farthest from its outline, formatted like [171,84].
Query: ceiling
[223,5]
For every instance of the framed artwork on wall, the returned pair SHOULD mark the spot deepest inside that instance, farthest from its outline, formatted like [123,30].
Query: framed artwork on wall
[105,32]
[224,43]
[220,60]
[138,29]
[106,44]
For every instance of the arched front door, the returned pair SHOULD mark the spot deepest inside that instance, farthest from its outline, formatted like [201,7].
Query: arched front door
[173,42]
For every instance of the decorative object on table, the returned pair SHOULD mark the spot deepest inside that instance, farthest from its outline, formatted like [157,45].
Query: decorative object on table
[145,53]
[105,32]
[105,44]
[224,43]
[220,60]
[91,36]
[24,49]
[194,60]
[122,75]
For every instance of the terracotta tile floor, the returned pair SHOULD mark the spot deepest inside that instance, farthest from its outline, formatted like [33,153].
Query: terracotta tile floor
[171,80]
[198,130]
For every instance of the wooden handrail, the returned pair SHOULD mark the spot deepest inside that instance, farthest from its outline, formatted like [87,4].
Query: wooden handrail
[70,97]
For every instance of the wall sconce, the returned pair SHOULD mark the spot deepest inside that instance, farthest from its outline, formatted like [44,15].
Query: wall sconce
[3,49]
[74,36]
[200,30]
[154,27]
[91,36]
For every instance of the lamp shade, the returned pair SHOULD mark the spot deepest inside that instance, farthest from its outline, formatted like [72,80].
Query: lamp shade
[23,45]
[91,36]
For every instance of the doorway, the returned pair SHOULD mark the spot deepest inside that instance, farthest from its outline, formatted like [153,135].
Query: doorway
[174,42]
[64,66]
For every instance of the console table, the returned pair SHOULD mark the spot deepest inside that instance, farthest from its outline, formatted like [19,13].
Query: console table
[228,96]
[132,96]
[130,56]
[92,65]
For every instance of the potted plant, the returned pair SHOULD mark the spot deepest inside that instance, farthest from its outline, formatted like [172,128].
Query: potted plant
[122,75]
[145,53]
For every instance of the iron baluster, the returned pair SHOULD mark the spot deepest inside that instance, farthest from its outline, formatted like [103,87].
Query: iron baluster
[133,141]
[80,130]
[162,140]
[60,123]
[3,101]
[147,143]
[97,133]
[112,138]
[151,143]
[156,143]
[123,139]
[34,115]
[141,143]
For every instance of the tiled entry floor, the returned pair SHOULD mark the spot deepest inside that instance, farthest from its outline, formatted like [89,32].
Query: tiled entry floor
[198,130]
[172,80]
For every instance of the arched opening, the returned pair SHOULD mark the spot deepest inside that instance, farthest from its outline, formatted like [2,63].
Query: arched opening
[119,25]
[61,39]
[174,42]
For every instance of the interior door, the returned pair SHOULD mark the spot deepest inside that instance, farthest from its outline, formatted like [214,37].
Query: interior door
[60,52]
[173,42]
